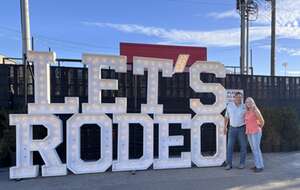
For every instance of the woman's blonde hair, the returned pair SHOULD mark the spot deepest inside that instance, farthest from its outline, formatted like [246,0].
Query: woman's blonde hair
[251,100]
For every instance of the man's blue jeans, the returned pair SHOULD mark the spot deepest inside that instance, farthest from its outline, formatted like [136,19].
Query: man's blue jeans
[237,133]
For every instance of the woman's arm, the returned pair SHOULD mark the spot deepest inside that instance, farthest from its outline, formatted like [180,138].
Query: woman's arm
[259,117]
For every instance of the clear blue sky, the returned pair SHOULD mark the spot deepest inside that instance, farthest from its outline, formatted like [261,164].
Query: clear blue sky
[98,26]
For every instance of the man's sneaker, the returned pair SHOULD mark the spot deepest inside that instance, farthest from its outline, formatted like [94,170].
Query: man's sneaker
[241,166]
[228,167]
[258,170]
[253,168]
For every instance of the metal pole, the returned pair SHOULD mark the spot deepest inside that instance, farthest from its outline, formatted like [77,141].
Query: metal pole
[285,64]
[273,36]
[242,57]
[251,60]
[26,42]
[247,45]
[32,43]
[285,71]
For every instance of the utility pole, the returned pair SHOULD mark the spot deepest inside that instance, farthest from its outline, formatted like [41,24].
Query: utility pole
[247,45]
[242,8]
[26,43]
[251,61]
[273,36]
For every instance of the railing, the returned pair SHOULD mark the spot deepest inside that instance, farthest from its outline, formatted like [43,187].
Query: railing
[237,70]
[66,81]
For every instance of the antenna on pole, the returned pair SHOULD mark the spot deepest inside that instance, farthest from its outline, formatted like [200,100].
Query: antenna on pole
[248,10]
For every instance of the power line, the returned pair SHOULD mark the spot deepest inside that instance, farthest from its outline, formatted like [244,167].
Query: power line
[64,42]
[198,2]
[74,43]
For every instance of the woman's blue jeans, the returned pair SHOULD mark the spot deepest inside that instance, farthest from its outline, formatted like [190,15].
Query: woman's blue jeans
[254,141]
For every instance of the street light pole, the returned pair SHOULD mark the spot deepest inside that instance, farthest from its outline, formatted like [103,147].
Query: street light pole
[26,42]
[285,64]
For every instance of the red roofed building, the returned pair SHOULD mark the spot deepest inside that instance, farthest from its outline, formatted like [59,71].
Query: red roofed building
[162,51]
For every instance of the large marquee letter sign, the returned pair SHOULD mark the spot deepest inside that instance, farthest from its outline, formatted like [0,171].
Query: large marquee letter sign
[165,141]
[74,162]
[42,105]
[42,111]
[95,64]
[123,163]
[153,66]
[46,147]
[207,113]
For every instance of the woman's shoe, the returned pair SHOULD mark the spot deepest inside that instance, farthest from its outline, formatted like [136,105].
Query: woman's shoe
[241,166]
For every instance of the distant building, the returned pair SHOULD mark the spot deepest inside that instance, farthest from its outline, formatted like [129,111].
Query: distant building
[4,60]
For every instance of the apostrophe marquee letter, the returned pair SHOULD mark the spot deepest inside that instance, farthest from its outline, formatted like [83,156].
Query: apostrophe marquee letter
[96,83]
[42,105]
[26,145]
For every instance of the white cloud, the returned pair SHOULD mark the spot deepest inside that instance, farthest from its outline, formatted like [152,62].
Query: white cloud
[281,49]
[215,38]
[288,16]
[289,51]
[222,15]
[219,38]
[288,13]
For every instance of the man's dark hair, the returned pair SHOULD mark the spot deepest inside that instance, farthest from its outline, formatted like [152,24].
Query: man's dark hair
[238,93]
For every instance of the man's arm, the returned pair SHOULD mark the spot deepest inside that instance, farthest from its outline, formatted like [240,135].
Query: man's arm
[226,120]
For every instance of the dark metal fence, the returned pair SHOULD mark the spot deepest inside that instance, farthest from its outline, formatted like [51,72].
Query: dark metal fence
[174,94]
